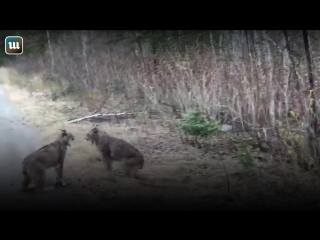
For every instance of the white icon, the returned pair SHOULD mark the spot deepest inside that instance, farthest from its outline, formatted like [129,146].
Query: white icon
[14,45]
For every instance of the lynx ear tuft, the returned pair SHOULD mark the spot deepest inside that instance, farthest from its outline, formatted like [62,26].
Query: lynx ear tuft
[64,132]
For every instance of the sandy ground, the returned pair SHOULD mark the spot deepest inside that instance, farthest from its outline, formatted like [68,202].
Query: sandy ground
[175,175]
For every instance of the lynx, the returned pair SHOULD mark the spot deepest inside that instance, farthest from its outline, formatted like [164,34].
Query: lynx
[34,165]
[115,149]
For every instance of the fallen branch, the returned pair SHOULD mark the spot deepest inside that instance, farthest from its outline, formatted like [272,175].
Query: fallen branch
[101,115]
[96,111]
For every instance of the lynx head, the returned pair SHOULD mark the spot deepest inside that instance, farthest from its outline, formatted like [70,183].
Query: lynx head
[92,135]
[66,137]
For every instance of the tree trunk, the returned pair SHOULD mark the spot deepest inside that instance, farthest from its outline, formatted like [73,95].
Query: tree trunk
[84,40]
[294,73]
[313,110]
[250,78]
[314,146]
[50,52]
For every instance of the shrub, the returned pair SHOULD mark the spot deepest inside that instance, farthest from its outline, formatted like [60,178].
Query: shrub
[197,125]
[244,157]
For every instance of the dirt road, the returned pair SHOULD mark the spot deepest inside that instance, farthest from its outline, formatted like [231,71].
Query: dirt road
[18,139]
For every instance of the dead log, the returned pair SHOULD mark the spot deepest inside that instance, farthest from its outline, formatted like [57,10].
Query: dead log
[101,115]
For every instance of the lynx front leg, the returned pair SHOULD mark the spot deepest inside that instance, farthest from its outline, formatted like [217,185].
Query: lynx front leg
[107,161]
[59,179]
[26,181]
